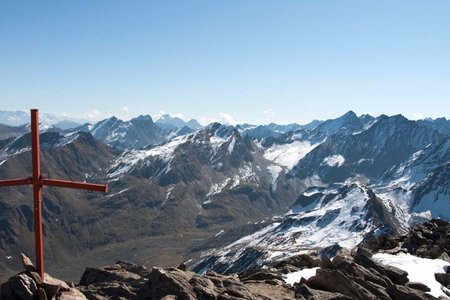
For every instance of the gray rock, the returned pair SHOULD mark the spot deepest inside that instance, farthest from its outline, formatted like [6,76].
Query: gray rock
[133,268]
[304,292]
[348,265]
[203,287]
[400,292]
[20,287]
[169,282]
[418,286]
[27,264]
[113,273]
[41,294]
[108,290]
[182,266]
[52,284]
[337,282]
[300,261]
[378,290]
[397,276]
[325,262]
[72,294]
[443,278]
[263,275]
[444,256]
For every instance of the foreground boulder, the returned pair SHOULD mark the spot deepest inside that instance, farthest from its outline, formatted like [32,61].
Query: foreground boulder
[173,283]
[28,285]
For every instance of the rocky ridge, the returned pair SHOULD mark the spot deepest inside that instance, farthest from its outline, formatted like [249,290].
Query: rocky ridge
[349,275]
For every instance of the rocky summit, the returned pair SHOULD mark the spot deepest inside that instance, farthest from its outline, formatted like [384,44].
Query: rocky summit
[356,274]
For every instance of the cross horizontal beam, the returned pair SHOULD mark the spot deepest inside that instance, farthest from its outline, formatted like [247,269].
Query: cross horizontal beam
[75,185]
[14,182]
[57,183]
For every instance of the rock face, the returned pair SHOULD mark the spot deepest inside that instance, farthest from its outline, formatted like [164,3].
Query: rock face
[427,240]
[28,285]
[133,282]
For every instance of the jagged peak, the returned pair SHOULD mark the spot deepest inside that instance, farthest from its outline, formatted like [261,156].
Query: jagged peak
[349,114]
[165,117]
[142,118]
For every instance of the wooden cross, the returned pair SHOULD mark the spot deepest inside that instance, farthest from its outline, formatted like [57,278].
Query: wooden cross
[38,183]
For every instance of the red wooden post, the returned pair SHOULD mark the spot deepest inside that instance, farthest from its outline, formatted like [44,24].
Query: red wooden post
[38,182]
[37,191]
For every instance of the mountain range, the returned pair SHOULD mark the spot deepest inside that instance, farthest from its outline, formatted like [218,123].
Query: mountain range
[228,197]
[19,118]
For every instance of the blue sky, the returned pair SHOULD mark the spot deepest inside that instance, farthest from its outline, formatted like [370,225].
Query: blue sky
[254,61]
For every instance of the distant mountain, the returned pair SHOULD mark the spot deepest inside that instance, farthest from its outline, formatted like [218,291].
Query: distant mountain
[172,123]
[184,130]
[194,124]
[358,149]
[348,122]
[258,132]
[219,171]
[11,131]
[66,124]
[14,118]
[364,178]
[422,181]
[17,118]
[273,130]
[440,124]
[135,133]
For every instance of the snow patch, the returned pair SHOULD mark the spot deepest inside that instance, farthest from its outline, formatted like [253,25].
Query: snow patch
[219,233]
[336,160]
[295,277]
[67,139]
[217,188]
[216,142]
[419,269]
[169,192]
[231,146]
[244,174]
[130,158]
[118,193]
[365,160]
[288,155]
[274,172]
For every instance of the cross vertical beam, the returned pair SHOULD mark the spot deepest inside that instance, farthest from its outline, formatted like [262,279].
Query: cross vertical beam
[37,192]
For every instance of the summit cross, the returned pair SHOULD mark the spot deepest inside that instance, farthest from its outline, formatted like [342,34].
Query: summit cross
[38,182]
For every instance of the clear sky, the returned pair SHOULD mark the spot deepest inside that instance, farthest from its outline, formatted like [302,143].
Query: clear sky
[254,61]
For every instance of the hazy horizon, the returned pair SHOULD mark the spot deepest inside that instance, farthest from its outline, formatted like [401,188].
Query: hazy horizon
[225,119]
